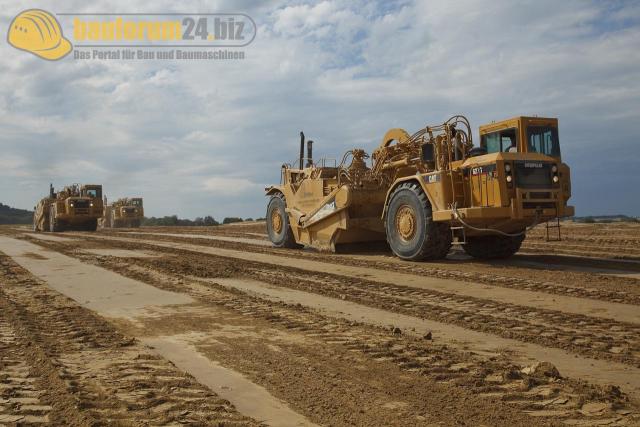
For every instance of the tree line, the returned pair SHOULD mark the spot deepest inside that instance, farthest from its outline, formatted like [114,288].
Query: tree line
[9,215]
[173,220]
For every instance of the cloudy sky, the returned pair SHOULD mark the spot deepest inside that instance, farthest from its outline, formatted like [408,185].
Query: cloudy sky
[199,138]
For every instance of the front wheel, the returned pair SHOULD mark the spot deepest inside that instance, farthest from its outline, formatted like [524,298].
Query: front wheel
[91,225]
[278,226]
[411,232]
[493,246]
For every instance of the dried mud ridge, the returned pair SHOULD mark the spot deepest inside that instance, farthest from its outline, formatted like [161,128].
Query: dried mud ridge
[601,251]
[537,391]
[614,240]
[64,365]
[611,247]
[585,335]
[600,288]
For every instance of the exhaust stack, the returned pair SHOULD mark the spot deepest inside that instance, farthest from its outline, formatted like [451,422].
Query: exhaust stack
[301,149]
[309,153]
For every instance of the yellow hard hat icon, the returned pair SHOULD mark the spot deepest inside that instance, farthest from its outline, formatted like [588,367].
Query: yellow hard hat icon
[38,32]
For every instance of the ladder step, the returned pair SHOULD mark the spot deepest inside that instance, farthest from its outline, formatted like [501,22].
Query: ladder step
[458,235]
[554,225]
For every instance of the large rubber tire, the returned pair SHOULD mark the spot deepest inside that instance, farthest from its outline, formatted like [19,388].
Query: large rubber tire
[411,232]
[278,226]
[92,225]
[492,246]
[54,225]
[45,223]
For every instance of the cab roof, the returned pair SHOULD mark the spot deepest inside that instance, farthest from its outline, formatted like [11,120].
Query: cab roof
[517,122]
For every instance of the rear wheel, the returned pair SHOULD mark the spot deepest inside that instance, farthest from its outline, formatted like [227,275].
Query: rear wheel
[411,232]
[493,246]
[54,225]
[278,226]
[44,222]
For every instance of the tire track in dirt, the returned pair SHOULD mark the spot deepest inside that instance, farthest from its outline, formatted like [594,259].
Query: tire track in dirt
[170,273]
[599,338]
[494,277]
[620,242]
[586,335]
[24,391]
[101,376]
[537,391]
[601,250]
[491,412]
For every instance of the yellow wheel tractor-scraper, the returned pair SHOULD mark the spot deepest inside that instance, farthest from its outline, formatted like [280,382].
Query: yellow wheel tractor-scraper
[425,191]
[126,212]
[76,207]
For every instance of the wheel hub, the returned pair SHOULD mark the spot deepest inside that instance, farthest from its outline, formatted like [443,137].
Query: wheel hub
[405,222]
[276,221]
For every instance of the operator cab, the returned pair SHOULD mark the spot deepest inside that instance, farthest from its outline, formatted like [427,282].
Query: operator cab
[136,202]
[93,191]
[523,135]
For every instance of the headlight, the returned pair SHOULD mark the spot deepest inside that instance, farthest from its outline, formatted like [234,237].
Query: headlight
[556,179]
[509,179]
[554,169]
[91,204]
[507,167]
[71,204]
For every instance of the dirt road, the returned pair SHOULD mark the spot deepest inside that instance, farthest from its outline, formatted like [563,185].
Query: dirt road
[169,326]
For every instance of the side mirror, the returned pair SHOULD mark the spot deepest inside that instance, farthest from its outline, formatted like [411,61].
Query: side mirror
[427,153]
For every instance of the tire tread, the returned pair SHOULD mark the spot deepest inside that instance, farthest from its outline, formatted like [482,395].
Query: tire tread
[492,246]
[437,241]
[289,241]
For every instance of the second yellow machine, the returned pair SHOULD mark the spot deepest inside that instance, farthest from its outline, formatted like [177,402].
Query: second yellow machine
[125,212]
[423,191]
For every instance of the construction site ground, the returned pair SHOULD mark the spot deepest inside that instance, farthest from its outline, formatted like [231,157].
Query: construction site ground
[213,326]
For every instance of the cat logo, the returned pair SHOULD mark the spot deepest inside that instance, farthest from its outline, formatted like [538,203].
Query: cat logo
[432,178]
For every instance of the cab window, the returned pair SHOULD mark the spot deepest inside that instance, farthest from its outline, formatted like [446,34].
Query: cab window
[136,202]
[491,142]
[500,141]
[93,192]
[543,140]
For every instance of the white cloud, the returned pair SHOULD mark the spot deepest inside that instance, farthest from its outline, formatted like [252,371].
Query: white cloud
[342,71]
[229,186]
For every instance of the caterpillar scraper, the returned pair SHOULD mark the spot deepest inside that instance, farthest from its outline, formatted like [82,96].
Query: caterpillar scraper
[125,212]
[76,207]
[422,192]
